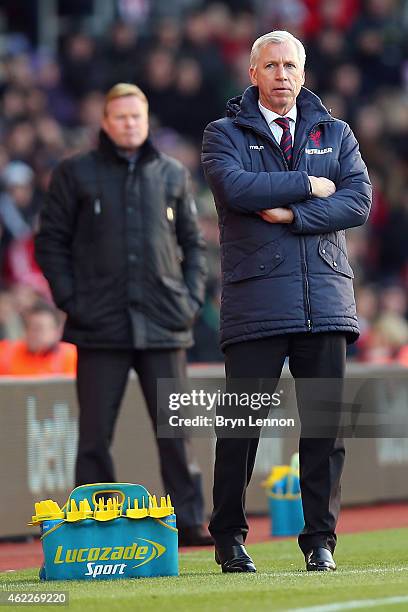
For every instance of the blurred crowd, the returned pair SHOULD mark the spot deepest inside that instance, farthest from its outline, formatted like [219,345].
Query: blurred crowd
[189,57]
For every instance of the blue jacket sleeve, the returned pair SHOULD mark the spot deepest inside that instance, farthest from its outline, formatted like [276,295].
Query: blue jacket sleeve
[243,191]
[348,207]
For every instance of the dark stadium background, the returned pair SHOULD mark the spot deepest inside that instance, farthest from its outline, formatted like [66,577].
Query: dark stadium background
[57,57]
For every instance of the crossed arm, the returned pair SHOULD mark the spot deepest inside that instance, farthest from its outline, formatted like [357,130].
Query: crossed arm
[320,187]
[311,205]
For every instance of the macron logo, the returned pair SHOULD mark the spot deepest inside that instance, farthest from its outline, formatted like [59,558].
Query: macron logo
[256,147]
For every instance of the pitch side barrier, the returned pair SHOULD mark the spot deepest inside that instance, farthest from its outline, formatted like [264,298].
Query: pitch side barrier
[39,432]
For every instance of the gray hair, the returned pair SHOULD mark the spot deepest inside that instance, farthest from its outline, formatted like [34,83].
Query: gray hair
[276,37]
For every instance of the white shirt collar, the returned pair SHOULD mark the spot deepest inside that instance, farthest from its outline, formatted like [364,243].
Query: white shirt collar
[270,116]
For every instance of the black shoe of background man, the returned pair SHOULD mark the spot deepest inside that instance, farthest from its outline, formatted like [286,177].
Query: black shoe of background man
[319,560]
[234,559]
[194,536]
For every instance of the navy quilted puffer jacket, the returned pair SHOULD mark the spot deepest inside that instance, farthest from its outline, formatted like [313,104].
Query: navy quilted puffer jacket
[284,278]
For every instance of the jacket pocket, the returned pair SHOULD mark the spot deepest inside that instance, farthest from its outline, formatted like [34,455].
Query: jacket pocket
[335,258]
[260,263]
[94,302]
[173,307]
[81,311]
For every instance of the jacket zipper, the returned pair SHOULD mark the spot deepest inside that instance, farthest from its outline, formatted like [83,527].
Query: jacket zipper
[306,279]
[139,331]
[302,240]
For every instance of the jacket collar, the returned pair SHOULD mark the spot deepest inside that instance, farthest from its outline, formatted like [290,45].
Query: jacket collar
[310,111]
[108,149]
[245,109]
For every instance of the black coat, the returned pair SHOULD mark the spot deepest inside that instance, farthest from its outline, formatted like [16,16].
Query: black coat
[278,278]
[121,250]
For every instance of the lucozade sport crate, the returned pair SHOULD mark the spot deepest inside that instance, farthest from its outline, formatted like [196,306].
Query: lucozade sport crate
[108,530]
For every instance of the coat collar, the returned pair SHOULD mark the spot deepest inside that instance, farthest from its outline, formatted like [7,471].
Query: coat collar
[108,149]
[245,110]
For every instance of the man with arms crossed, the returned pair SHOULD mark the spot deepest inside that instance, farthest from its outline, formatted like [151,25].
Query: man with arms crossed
[287,180]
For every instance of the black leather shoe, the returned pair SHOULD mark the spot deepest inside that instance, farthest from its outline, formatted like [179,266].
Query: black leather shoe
[319,560]
[234,559]
[194,536]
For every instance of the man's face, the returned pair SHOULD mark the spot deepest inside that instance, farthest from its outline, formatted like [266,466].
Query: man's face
[279,76]
[126,122]
[42,332]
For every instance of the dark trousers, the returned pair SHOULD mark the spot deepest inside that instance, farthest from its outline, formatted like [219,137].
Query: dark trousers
[101,382]
[321,459]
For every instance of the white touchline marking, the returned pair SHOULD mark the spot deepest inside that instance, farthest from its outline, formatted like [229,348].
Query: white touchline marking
[342,572]
[353,605]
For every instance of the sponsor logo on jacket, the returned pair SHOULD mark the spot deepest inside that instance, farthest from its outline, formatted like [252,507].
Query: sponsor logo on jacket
[318,151]
[315,138]
[256,147]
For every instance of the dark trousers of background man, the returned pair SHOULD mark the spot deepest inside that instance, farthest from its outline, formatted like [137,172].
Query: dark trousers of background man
[311,356]
[102,376]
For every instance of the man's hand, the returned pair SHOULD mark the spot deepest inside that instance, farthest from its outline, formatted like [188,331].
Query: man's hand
[277,215]
[321,186]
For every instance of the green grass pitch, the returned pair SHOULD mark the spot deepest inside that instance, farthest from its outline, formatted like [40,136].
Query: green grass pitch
[372,574]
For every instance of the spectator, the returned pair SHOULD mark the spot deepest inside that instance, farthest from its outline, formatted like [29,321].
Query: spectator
[60,103]
[18,205]
[158,83]
[199,45]
[41,352]
[167,35]
[11,325]
[386,339]
[81,68]
[21,140]
[376,42]
[122,54]
[402,356]
[190,93]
